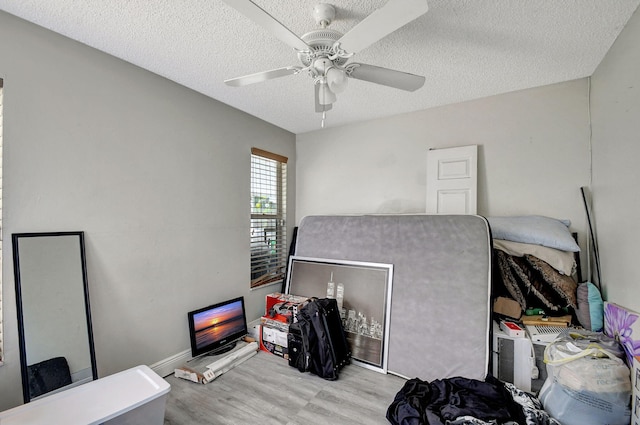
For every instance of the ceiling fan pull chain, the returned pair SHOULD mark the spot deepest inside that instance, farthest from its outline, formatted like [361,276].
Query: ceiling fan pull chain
[324,115]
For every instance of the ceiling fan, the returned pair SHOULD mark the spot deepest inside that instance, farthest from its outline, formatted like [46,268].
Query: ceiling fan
[324,53]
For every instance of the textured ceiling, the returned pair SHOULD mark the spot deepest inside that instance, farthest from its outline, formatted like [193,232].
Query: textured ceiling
[466,49]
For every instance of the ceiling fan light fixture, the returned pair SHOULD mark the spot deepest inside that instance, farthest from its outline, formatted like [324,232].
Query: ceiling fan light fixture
[336,80]
[326,96]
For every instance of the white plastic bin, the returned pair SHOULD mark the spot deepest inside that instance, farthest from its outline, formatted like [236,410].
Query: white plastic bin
[136,396]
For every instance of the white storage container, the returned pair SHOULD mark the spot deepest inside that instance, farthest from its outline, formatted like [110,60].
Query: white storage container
[136,396]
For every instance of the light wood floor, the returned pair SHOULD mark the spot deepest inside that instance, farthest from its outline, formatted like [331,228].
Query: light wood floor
[266,390]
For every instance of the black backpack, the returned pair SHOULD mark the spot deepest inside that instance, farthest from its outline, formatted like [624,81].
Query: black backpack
[317,342]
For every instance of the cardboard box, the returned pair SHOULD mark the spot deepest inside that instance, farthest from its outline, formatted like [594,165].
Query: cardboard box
[511,329]
[200,371]
[507,307]
[192,375]
[542,320]
[280,311]
[284,307]
[276,323]
[273,339]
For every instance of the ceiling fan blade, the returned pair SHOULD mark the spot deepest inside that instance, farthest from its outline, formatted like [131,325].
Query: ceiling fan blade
[393,15]
[259,77]
[268,22]
[319,106]
[387,77]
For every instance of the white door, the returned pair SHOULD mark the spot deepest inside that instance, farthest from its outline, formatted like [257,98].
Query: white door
[452,180]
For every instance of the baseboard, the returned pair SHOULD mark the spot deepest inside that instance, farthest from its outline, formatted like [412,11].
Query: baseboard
[84,375]
[167,366]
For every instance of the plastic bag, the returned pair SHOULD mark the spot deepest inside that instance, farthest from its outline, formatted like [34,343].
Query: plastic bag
[587,380]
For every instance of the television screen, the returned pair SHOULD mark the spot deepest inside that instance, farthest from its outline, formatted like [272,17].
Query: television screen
[217,327]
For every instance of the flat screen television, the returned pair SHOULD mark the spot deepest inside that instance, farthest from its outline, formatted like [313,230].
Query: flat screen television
[216,328]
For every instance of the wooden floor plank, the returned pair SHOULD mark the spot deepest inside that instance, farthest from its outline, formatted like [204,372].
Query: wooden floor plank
[266,390]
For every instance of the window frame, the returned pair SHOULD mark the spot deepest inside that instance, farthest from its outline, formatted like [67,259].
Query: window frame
[268,244]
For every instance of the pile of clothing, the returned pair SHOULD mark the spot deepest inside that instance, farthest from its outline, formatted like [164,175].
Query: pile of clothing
[535,261]
[463,401]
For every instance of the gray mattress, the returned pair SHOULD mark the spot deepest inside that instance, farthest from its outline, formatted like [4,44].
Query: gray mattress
[440,305]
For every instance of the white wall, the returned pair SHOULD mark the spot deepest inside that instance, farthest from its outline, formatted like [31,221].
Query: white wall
[533,157]
[155,174]
[615,110]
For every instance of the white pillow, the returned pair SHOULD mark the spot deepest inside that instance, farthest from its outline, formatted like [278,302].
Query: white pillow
[563,261]
[534,229]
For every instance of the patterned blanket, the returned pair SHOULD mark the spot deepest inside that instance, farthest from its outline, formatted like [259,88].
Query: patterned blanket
[534,283]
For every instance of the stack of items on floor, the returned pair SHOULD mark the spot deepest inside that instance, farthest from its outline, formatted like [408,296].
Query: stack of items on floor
[589,383]
[587,370]
[317,341]
[594,377]
[588,379]
[204,370]
[535,264]
[308,332]
[280,312]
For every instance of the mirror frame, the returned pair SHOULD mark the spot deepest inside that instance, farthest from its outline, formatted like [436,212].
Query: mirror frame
[21,335]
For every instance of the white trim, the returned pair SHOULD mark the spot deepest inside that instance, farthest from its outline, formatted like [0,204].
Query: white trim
[167,366]
[84,375]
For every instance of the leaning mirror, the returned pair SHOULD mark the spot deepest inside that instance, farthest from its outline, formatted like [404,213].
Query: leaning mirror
[54,320]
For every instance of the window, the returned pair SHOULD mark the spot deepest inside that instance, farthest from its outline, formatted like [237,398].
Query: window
[268,217]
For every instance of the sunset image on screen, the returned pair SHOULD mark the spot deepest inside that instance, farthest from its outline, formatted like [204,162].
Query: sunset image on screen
[218,323]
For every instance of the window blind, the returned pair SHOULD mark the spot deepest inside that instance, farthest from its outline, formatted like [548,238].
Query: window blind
[268,217]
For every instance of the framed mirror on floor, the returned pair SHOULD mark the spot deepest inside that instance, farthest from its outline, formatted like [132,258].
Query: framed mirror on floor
[54,315]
